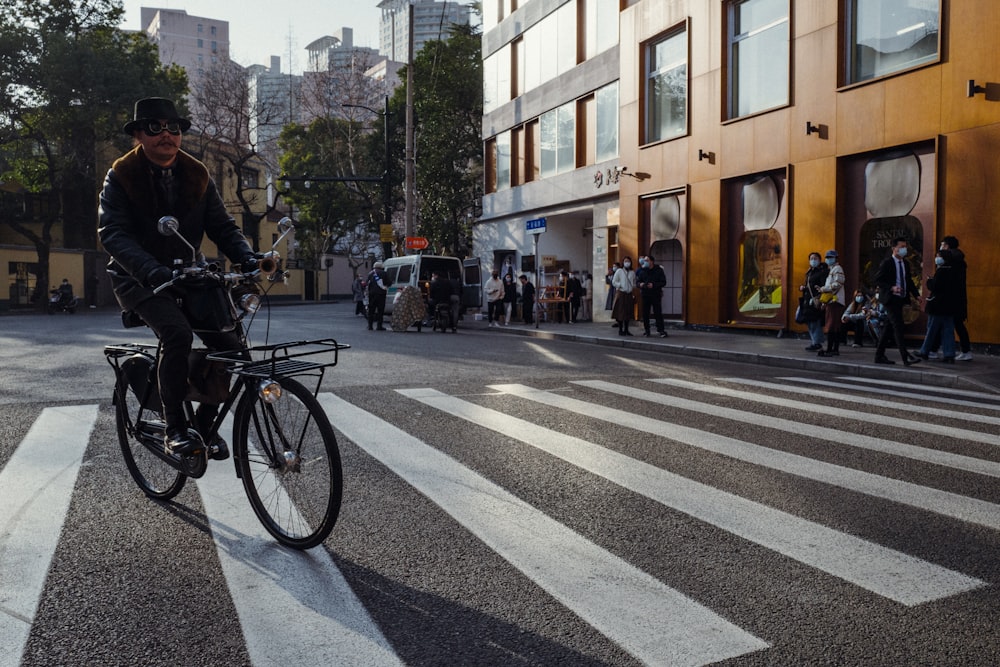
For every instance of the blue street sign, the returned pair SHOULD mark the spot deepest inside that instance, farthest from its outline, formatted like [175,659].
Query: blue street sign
[535,226]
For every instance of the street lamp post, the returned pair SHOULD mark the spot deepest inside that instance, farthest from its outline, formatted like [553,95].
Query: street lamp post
[386,193]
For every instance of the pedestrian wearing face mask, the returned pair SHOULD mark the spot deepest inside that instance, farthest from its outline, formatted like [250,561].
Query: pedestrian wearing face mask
[624,306]
[896,287]
[942,306]
[855,317]
[832,297]
[815,278]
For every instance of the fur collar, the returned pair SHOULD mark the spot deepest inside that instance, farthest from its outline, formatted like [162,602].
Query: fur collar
[134,173]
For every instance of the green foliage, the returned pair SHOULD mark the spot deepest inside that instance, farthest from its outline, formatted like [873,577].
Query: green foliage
[329,212]
[448,106]
[70,79]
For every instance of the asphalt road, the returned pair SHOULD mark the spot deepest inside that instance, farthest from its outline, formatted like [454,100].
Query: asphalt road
[507,501]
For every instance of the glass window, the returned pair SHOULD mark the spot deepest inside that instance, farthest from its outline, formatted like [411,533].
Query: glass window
[547,142]
[607,122]
[887,36]
[490,83]
[567,138]
[548,34]
[201,43]
[557,141]
[758,56]
[566,39]
[503,160]
[666,88]
[532,54]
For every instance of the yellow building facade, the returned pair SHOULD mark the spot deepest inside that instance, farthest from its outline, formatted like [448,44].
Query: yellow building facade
[768,129]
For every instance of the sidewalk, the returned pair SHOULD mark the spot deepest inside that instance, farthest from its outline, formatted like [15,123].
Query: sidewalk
[765,347]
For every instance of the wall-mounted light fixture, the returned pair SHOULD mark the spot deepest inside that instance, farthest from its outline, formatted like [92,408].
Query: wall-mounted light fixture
[703,155]
[991,90]
[623,171]
[810,128]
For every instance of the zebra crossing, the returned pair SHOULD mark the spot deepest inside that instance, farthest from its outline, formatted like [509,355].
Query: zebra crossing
[652,620]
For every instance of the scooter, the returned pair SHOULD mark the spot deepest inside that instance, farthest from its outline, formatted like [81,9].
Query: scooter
[61,302]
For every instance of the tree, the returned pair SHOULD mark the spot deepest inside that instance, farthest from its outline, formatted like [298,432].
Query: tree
[448,106]
[225,120]
[335,175]
[70,78]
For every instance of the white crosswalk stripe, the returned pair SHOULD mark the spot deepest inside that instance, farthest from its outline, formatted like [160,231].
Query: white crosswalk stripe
[925,394]
[926,391]
[910,425]
[35,490]
[327,621]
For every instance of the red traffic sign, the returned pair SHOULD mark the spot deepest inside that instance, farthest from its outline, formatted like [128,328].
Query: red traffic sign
[416,242]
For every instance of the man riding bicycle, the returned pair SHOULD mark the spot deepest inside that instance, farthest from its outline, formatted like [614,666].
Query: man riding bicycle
[154,179]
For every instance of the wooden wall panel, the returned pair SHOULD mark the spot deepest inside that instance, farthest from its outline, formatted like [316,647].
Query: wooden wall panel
[913,106]
[814,95]
[703,296]
[969,186]
[860,119]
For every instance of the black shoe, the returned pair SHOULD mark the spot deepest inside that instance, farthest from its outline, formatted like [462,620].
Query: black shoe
[921,355]
[646,334]
[663,334]
[628,333]
[182,442]
[621,332]
[884,360]
[380,329]
[911,360]
[947,360]
[813,348]
[369,327]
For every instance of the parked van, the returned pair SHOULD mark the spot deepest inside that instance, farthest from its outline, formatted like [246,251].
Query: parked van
[416,270]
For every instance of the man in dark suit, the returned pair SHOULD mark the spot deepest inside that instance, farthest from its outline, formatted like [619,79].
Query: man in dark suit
[895,289]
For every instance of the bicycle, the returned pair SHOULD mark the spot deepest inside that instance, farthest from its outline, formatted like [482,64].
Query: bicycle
[283,446]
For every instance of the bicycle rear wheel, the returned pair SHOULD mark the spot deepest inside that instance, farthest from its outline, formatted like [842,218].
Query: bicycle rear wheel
[289,462]
[155,477]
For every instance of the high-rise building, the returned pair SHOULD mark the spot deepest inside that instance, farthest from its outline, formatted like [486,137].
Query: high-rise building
[193,42]
[431,21]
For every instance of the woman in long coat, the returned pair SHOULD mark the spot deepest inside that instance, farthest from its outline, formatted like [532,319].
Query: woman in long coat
[624,305]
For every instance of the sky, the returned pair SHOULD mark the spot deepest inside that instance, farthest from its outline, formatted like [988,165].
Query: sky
[259,29]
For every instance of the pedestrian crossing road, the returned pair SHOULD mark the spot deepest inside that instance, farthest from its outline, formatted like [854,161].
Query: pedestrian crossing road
[599,521]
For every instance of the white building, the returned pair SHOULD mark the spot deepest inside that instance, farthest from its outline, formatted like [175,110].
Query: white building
[431,21]
[193,42]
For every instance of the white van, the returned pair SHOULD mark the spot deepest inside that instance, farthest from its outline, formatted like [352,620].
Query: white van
[416,270]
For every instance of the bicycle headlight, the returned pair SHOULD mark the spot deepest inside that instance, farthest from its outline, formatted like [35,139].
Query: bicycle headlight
[250,303]
[269,390]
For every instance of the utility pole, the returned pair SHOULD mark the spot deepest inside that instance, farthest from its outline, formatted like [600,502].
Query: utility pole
[410,194]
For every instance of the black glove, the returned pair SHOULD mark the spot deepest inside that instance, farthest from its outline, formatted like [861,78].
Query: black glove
[248,263]
[158,276]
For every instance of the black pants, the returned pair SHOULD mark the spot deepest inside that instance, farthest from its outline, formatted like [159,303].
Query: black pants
[527,311]
[376,309]
[651,305]
[162,314]
[893,327]
[494,311]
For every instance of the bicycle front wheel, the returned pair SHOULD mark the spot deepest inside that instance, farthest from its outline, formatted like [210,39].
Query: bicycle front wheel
[288,458]
[155,477]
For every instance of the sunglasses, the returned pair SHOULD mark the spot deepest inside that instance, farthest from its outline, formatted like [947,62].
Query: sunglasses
[154,127]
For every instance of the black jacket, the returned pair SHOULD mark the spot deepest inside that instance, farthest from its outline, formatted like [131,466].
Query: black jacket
[654,275]
[885,279]
[129,211]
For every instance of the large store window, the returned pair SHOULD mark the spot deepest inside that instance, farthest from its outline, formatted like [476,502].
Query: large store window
[666,87]
[886,195]
[607,122]
[886,36]
[759,56]
[666,215]
[757,221]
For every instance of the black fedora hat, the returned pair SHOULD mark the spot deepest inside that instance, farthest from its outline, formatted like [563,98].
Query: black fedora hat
[155,108]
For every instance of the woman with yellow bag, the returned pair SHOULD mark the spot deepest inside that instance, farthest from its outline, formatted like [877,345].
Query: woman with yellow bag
[831,296]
